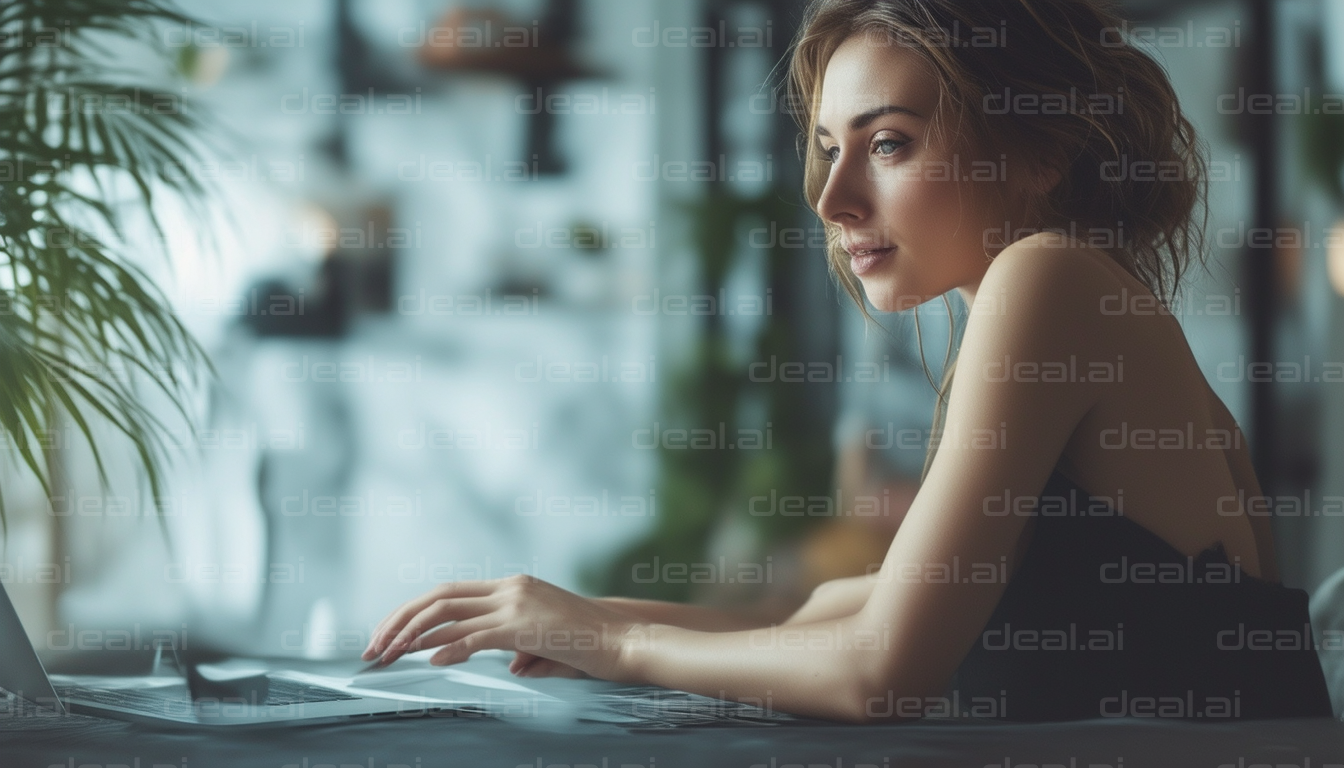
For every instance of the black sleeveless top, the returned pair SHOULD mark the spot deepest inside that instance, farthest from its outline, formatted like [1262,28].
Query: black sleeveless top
[1104,618]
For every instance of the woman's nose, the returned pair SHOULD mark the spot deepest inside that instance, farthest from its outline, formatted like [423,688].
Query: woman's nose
[844,198]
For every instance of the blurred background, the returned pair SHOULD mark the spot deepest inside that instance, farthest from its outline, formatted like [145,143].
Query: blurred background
[529,286]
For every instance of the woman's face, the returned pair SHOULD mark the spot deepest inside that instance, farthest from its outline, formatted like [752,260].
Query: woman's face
[916,217]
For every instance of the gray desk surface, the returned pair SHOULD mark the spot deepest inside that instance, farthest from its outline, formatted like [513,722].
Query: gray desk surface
[34,737]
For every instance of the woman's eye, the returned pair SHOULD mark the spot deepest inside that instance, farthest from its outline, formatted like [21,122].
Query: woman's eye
[884,147]
[887,146]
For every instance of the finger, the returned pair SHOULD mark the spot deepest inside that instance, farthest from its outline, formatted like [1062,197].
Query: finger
[520,660]
[551,668]
[522,666]
[390,624]
[397,620]
[529,669]
[539,667]
[473,588]
[369,651]
[450,633]
[485,634]
[448,609]
[406,639]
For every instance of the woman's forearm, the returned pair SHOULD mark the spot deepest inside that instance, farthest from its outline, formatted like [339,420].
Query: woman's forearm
[835,599]
[820,669]
[697,617]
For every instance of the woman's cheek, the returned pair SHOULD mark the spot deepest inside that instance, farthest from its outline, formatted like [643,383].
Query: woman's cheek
[918,190]
[934,200]
[902,195]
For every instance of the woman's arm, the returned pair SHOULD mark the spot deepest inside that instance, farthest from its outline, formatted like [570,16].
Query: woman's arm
[822,645]
[819,669]
[689,616]
[685,615]
[832,599]
[835,599]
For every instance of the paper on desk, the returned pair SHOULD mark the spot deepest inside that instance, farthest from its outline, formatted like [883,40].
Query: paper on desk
[117,681]
[489,684]
[554,703]
[409,678]
[414,679]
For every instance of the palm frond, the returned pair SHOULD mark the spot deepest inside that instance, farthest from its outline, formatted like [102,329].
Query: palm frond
[80,322]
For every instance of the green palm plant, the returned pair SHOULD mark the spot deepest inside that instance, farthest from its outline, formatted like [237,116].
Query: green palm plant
[81,325]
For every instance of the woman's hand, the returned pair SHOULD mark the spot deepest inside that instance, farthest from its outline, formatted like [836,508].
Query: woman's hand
[517,613]
[526,664]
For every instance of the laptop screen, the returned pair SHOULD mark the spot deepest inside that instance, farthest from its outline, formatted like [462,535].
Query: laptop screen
[21,672]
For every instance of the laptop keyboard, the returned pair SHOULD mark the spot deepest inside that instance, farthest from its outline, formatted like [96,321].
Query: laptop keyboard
[280,692]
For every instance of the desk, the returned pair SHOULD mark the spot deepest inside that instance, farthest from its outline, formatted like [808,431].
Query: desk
[33,737]
[478,743]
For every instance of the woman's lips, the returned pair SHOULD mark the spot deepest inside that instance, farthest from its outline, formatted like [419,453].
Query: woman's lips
[864,262]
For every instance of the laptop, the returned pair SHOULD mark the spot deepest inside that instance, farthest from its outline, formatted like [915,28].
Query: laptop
[274,699]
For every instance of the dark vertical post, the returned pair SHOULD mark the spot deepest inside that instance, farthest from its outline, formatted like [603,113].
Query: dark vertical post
[559,28]
[716,147]
[1258,265]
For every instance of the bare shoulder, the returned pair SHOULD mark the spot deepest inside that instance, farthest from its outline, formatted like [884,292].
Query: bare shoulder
[1100,311]
[1035,325]
[1049,267]
[1056,290]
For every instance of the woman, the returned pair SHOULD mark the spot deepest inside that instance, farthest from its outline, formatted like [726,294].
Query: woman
[1022,153]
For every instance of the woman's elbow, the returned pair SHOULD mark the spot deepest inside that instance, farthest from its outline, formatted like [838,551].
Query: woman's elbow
[888,706]
[892,697]
[877,708]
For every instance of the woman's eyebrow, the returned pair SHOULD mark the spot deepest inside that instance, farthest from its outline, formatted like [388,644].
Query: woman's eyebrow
[859,121]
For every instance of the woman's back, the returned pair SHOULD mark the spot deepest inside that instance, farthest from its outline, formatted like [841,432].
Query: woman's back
[1102,618]
[1141,595]
[1160,444]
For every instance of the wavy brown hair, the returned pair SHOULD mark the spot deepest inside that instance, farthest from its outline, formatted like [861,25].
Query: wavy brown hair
[1065,54]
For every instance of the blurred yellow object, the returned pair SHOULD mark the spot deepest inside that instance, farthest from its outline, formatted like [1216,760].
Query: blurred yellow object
[840,548]
[203,65]
[315,232]
[1335,261]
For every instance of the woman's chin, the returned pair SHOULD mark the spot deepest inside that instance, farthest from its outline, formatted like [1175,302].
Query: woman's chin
[887,295]
[886,298]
